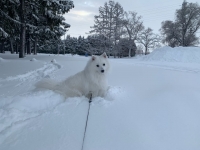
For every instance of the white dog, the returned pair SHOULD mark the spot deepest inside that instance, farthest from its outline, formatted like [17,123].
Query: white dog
[92,80]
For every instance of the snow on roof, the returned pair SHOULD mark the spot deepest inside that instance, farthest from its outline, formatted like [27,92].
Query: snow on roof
[176,54]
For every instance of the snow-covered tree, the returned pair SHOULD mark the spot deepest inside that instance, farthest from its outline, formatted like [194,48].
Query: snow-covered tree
[8,16]
[40,20]
[50,21]
[71,44]
[81,46]
[9,23]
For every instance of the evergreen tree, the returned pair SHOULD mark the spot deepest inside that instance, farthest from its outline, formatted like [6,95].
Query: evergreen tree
[37,21]
[108,24]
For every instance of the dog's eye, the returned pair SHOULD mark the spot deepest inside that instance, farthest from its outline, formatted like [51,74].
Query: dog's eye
[103,64]
[97,65]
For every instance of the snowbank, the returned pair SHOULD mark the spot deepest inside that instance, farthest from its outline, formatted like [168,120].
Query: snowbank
[177,54]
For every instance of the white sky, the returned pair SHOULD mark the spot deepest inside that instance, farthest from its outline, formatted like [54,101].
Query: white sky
[153,12]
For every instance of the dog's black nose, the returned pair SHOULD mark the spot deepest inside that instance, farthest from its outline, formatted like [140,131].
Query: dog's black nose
[102,71]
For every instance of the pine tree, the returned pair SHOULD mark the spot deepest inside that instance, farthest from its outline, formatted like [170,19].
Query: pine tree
[36,21]
[108,23]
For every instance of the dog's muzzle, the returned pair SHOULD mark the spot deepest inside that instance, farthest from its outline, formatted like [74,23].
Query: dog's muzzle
[102,71]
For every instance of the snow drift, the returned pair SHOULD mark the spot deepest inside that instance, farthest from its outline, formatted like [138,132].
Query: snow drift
[177,54]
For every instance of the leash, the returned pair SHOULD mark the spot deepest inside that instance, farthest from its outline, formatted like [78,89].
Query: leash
[90,100]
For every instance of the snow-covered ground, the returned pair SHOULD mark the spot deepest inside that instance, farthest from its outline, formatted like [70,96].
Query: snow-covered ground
[153,104]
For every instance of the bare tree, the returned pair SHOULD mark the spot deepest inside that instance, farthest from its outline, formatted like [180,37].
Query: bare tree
[23,29]
[182,32]
[189,19]
[148,39]
[169,33]
[134,25]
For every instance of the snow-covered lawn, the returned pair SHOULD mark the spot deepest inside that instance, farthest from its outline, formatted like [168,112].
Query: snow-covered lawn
[153,104]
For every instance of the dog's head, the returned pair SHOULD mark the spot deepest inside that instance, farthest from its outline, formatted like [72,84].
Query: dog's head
[99,64]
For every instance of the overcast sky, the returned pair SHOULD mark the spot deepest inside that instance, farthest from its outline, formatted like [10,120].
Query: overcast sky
[153,12]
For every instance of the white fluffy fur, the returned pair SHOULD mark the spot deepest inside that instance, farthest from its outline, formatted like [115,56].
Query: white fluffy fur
[90,80]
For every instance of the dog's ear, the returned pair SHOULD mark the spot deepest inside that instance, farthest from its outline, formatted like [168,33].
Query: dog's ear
[104,55]
[93,57]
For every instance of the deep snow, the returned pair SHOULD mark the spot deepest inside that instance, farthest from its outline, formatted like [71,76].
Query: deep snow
[153,104]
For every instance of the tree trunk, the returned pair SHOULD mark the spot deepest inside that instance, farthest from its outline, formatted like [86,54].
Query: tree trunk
[58,51]
[35,46]
[129,49]
[129,52]
[64,45]
[183,36]
[28,47]
[2,47]
[28,43]
[23,30]
[11,46]
[25,52]
[145,50]
[17,48]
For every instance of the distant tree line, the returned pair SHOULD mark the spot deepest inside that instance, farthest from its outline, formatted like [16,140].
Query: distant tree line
[122,30]
[25,25]
[115,32]
[127,35]
[120,33]
[92,45]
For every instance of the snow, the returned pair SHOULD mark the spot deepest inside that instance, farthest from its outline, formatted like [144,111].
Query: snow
[152,104]
[33,59]
[177,54]
[1,59]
